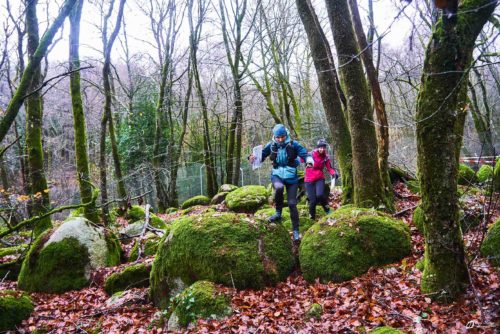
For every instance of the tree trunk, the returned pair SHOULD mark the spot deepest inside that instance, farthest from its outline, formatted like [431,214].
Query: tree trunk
[34,63]
[327,78]
[368,186]
[40,202]
[440,107]
[82,163]
[372,75]
[106,117]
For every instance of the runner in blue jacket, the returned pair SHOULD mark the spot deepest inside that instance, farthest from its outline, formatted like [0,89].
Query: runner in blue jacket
[284,153]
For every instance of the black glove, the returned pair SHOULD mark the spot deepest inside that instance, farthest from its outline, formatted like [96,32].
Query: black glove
[336,175]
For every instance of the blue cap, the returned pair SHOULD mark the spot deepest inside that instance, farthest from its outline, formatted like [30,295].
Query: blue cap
[279,130]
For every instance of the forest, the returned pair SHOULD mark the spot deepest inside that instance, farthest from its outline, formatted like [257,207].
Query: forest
[249,166]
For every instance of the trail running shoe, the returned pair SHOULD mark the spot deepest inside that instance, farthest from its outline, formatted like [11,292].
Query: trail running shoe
[296,235]
[276,218]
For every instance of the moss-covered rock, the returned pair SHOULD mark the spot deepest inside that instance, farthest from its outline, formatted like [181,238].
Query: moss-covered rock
[196,200]
[136,276]
[171,210]
[247,198]
[137,213]
[414,186]
[485,173]
[466,175]
[225,248]
[227,188]
[14,308]
[346,243]
[132,229]
[150,246]
[199,301]
[61,259]
[418,219]
[398,174]
[386,330]
[490,247]
[218,198]
[315,311]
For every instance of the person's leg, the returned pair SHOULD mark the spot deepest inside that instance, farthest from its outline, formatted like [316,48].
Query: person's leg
[291,190]
[279,189]
[311,196]
[322,197]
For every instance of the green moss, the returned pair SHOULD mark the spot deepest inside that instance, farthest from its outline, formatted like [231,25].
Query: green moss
[491,244]
[150,246]
[59,267]
[136,276]
[386,330]
[14,250]
[420,265]
[13,309]
[198,208]
[349,241]
[466,175]
[224,248]
[171,210]
[485,173]
[414,186]
[114,255]
[196,200]
[136,213]
[201,301]
[418,219]
[315,311]
[247,198]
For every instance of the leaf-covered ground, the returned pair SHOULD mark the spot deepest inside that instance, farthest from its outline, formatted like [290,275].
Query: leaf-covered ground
[383,296]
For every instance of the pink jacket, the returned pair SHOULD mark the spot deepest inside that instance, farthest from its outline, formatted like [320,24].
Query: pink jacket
[315,172]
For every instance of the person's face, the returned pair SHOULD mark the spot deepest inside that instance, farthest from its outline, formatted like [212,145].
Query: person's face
[280,139]
[322,149]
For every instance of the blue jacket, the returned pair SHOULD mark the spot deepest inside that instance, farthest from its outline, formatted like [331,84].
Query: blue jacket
[285,172]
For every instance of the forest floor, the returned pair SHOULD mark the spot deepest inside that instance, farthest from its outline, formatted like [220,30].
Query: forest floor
[383,296]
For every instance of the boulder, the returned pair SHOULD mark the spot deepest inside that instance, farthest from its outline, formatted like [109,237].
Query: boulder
[224,248]
[136,276]
[137,213]
[127,298]
[14,308]
[247,198]
[150,246]
[346,243]
[218,198]
[490,247]
[61,259]
[199,301]
[485,173]
[196,200]
[466,175]
[227,188]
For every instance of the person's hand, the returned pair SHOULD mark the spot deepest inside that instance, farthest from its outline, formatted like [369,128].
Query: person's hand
[335,176]
[309,162]
[309,165]
[251,158]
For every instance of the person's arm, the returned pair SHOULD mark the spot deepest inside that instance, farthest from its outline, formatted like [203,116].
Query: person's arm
[301,151]
[266,151]
[330,169]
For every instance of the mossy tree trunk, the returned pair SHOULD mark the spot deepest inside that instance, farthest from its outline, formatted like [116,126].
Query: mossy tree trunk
[368,185]
[34,62]
[107,119]
[40,201]
[378,100]
[440,117]
[82,163]
[328,83]
[194,39]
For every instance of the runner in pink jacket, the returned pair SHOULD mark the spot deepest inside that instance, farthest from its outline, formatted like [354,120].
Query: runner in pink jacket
[315,179]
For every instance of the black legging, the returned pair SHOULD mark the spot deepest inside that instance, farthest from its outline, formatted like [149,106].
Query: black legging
[291,192]
[316,194]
